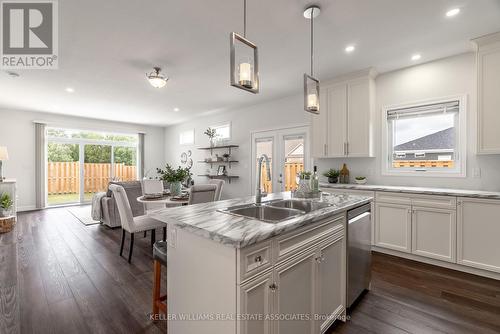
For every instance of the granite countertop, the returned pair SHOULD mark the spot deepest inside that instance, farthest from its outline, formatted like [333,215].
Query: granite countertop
[415,190]
[204,219]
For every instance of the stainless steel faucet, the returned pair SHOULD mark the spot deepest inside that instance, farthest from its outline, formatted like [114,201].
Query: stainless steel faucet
[258,190]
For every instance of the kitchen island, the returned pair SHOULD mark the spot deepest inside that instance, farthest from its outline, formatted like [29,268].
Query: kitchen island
[234,274]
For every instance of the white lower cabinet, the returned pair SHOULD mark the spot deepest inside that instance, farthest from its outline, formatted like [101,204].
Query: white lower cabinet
[295,294]
[300,294]
[331,282]
[434,233]
[393,226]
[256,303]
[478,233]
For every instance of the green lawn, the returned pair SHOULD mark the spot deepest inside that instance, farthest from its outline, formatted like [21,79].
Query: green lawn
[68,198]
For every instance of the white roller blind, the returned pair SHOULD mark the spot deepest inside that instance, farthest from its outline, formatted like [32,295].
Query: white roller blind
[424,110]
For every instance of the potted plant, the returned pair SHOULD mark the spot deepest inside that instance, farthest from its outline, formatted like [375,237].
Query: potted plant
[226,157]
[332,175]
[360,180]
[212,136]
[6,204]
[174,177]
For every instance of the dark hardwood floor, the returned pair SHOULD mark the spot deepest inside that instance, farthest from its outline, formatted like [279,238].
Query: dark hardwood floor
[60,276]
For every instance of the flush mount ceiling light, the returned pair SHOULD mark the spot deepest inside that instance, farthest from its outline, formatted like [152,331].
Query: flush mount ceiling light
[176,109]
[416,57]
[311,84]
[244,64]
[69,90]
[156,79]
[452,12]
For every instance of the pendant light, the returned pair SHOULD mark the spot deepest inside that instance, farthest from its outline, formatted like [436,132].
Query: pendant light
[311,84]
[156,79]
[244,65]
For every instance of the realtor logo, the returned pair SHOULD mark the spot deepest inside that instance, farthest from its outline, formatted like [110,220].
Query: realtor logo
[29,34]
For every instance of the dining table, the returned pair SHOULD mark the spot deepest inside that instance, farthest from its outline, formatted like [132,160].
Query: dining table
[165,199]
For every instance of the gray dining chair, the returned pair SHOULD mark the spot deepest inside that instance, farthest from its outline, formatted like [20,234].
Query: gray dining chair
[220,185]
[202,193]
[152,187]
[133,224]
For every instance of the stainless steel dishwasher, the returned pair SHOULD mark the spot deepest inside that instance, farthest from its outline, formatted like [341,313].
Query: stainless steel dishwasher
[359,256]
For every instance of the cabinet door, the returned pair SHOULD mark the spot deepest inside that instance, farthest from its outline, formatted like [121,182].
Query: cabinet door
[434,233]
[488,62]
[319,123]
[295,294]
[479,233]
[331,282]
[256,300]
[393,226]
[358,118]
[337,120]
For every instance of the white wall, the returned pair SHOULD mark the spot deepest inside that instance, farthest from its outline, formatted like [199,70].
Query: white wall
[285,112]
[446,77]
[17,133]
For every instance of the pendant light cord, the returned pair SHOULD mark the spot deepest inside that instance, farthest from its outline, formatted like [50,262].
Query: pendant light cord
[312,40]
[245,18]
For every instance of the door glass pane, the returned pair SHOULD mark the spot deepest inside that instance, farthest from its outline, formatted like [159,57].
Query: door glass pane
[96,169]
[63,171]
[264,146]
[125,167]
[294,160]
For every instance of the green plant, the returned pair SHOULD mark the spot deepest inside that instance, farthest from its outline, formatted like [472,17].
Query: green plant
[6,201]
[332,173]
[173,175]
[305,175]
[211,133]
[360,178]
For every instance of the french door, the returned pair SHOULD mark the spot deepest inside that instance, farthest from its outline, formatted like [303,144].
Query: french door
[288,152]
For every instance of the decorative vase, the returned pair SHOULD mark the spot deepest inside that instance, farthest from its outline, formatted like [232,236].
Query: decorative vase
[304,185]
[213,142]
[333,179]
[175,188]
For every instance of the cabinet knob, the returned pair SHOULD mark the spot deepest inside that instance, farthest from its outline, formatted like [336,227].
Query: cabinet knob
[258,258]
[273,287]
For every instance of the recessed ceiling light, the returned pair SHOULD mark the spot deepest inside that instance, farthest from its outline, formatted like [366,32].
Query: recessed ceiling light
[350,48]
[176,109]
[69,90]
[416,57]
[452,12]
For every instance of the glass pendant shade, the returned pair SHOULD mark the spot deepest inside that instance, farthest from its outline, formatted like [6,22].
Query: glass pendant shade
[244,65]
[156,79]
[311,94]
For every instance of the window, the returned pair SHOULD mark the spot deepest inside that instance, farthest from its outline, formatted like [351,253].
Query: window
[223,131]
[426,139]
[186,137]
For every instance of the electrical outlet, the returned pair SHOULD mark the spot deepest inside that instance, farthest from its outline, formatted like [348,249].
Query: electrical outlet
[172,236]
[476,172]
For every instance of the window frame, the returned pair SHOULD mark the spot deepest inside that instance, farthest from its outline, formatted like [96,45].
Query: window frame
[185,131]
[461,141]
[223,124]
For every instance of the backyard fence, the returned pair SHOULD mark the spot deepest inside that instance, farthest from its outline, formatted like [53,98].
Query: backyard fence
[422,163]
[289,176]
[64,177]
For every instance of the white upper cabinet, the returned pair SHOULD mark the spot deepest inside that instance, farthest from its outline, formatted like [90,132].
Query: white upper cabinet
[488,80]
[344,126]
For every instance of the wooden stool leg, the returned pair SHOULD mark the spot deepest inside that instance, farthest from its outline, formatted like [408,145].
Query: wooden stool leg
[156,285]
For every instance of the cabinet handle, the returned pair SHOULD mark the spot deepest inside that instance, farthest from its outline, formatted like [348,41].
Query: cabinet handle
[325,147]
[347,148]
[273,287]
[258,258]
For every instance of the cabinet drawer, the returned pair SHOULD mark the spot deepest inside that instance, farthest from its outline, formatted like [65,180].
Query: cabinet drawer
[255,259]
[394,198]
[292,243]
[433,201]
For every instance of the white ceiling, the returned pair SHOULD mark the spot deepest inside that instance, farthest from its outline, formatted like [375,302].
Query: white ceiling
[106,47]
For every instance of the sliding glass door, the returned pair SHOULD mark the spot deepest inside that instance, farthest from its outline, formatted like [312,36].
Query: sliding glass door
[81,163]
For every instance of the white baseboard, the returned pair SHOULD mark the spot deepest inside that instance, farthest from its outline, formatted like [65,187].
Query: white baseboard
[26,208]
[454,266]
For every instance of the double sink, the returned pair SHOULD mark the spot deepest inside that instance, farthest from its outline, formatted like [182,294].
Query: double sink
[276,211]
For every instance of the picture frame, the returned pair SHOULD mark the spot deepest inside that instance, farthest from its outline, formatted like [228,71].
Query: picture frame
[221,170]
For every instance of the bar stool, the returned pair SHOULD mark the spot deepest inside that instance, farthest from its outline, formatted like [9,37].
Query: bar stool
[160,258]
